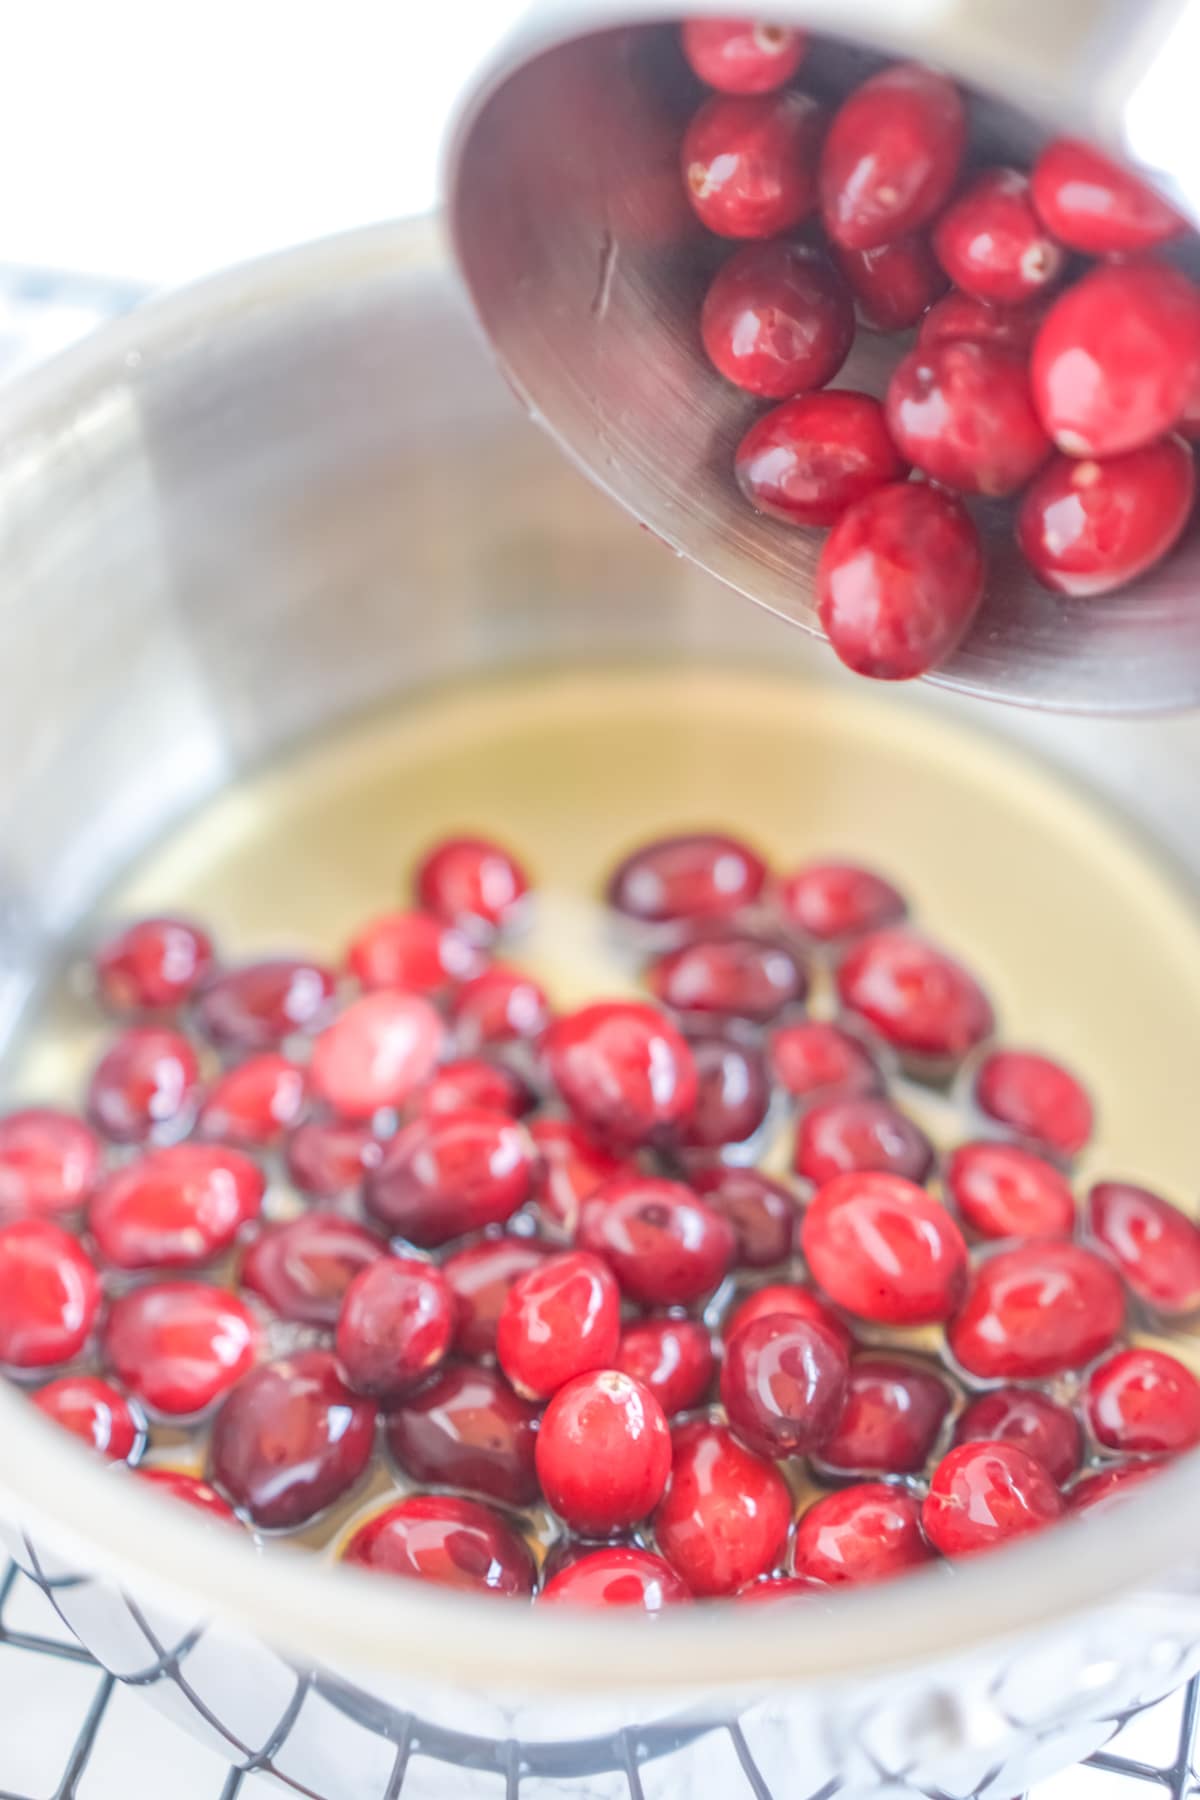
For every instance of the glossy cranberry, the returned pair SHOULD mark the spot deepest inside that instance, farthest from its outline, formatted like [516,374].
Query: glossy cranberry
[1144,1401]
[776,1588]
[742,56]
[445,1175]
[1094,205]
[176,1208]
[440,1538]
[831,900]
[672,1357]
[885,1250]
[1117,358]
[302,1268]
[471,1082]
[570,1167]
[1088,527]
[777,320]
[259,1005]
[290,1440]
[501,1006]
[958,316]
[841,1137]
[993,245]
[725,1515]
[731,974]
[750,163]
[560,1319]
[891,155]
[891,1418]
[1106,1484]
[1037,1310]
[49,1161]
[1155,1246]
[326,1157]
[732,1096]
[473,882]
[191,1491]
[1002,1191]
[395,1326]
[703,875]
[665,1246]
[1035,1098]
[894,284]
[480,1277]
[962,412]
[916,997]
[153,965]
[180,1345]
[783,1384]
[146,1084]
[1035,1423]
[898,581]
[787,1297]
[603,1453]
[806,461]
[376,1053]
[96,1412]
[255,1103]
[413,952]
[868,1532]
[815,1061]
[623,1070]
[618,1576]
[467,1429]
[983,1494]
[763,1212]
[49,1295]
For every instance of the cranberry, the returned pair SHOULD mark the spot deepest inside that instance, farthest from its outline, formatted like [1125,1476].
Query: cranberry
[326,1157]
[290,1440]
[831,900]
[962,412]
[787,1297]
[191,1491]
[891,155]
[444,1175]
[777,320]
[619,1576]
[302,1268]
[763,1212]
[180,1345]
[749,163]
[49,1295]
[993,245]
[733,974]
[473,882]
[1003,1191]
[1094,205]
[96,1412]
[701,876]
[725,1515]
[894,284]
[1144,1401]
[470,1083]
[885,1250]
[1104,1484]
[863,1533]
[915,996]
[1037,1424]
[1035,1098]
[815,1061]
[1037,1310]
[49,1161]
[623,1070]
[153,965]
[603,1453]
[673,1358]
[256,1007]
[456,1543]
[570,1167]
[1088,527]
[376,1054]
[176,1208]
[665,1246]
[560,1319]
[806,461]
[960,316]
[783,1384]
[480,1277]
[467,1429]
[1155,1246]
[145,1084]
[395,1326]
[984,1493]
[254,1104]
[412,951]
[898,581]
[742,56]
[733,1093]
[498,1007]
[890,1422]
[779,1587]
[841,1137]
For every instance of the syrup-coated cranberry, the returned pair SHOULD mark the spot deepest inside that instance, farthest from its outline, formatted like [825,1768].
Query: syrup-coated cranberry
[1155,1246]
[49,1161]
[412,951]
[1103,1485]
[777,320]
[893,284]
[451,1173]
[480,1277]
[1088,527]
[806,461]
[1035,1098]
[702,875]
[395,1326]
[898,581]
[665,1246]
[891,1418]
[750,163]
[191,1491]
[302,1268]
[1003,1191]
[255,1103]
[1143,1400]
[176,1208]
[992,243]
[842,1136]
[725,1515]
[49,1295]
[763,1212]
[868,1532]
[1040,1426]
[327,1157]
[984,1493]
[376,1053]
[672,1357]
[560,1319]
[621,1576]
[732,1095]
[153,965]
[742,56]
[96,1412]
[958,316]
[831,900]
[891,156]
[440,1538]
[259,1005]
[915,996]
[885,1250]
[146,1084]
[467,1429]
[570,1167]
[473,882]
[816,1061]
[180,1345]
[1094,205]
[603,1452]
[1037,1310]
[472,1082]
[962,412]
[787,1297]
[501,1006]
[777,1588]
[734,974]
[623,1070]
[783,1384]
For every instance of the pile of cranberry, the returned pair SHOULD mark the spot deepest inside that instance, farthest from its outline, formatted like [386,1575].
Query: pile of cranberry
[404,1218]
[1061,385]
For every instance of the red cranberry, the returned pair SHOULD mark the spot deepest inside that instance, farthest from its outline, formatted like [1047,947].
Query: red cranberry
[885,1250]
[180,1345]
[191,1491]
[763,1212]
[1094,205]
[915,996]
[783,1384]
[302,1268]
[467,1429]
[473,883]
[779,1587]
[376,1054]
[96,1412]
[831,900]
[1045,1430]
[290,1440]
[702,876]
[787,1297]
[455,1543]
[898,581]
[500,1006]
[49,1161]
[623,1070]
[560,1319]
[1089,527]
[749,163]
[984,1493]
[1003,1191]
[962,412]
[732,974]
[1144,1401]
[570,1167]
[472,1083]
[732,1096]
[480,1277]
[863,1533]
[326,1158]
[1036,1098]
[603,1453]
[777,320]
[445,1175]
[891,155]
[893,284]
[960,316]
[815,1061]
[841,1137]
[1117,358]
[619,1576]
[395,1326]
[993,245]
[1037,1310]
[153,965]
[176,1208]
[665,1246]
[890,1422]
[742,56]
[256,1007]
[145,1084]
[806,461]
[672,1357]
[412,951]
[49,1295]
[254,1104]
[1155,1246]
[725,1515]
[1105,1485]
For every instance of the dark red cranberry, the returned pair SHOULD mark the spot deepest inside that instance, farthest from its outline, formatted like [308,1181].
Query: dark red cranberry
[891,155]
[868,1532]
[623,1070]
[672,1357]
[665,1246]
[777,320]
[255,1103]
[49,1161]
[725,1515]
[962,412]
[1096,206]
[993,245]
[750,163]
[893,284]
[256,1007]
[290,1440]
[326,1157]
[619,1576]
[898,581]
[445,1175]
[376,1054]
[783,1384]
[1155,1246]
[959,316]
[501,1006]
[302,1268]
[916,997]
[814,1061]
[841,1137]
[1035,1098]
[1037,1310]
[1048,1432]
[570,1167]
[763,1212]
[49,1295]
[890,1422]
[1088,527]
[176,1208]
[831,900]
[731,974]
[1002,1191]
[603,1453]
[560,1319]
[885,1250]
[806,461]
[480,1277]
[787,1297]
[413,952]
[742,56]
[96,1412]
[983,1494]
[467,1429]
[472,882]
[395,1326]
[732,1096]
[701,876]
[776,1588]
[191,1491]
[1104,1485]
[1144,1401]
[471,1082]
[145,1085]
[153,965]
[180,1345]
[440,1538]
